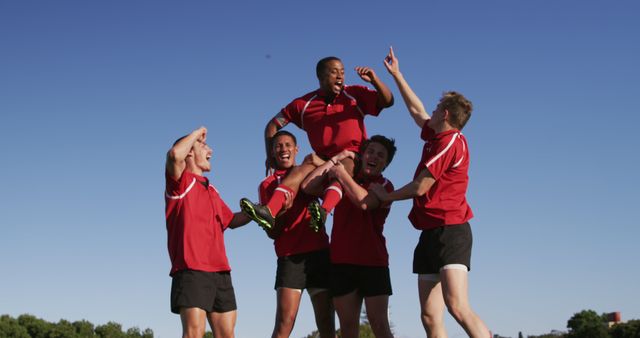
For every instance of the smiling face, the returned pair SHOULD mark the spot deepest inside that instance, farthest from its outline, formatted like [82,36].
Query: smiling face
[374,160]
[332,77]
[284,151]
[201,155]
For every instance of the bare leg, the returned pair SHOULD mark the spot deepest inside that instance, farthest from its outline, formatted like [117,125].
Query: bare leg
[432,308]
[286,311]
[348,309]
[222,323]
[324,313]
[193,322]
[377,313]
[454,290]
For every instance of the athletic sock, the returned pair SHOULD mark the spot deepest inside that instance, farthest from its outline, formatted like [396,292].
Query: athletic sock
[276,202]
[332,196]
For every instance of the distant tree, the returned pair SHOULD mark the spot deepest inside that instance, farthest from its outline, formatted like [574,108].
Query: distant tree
[135,332]
[587,324]
[84,328]
[520,334]
[64,329]
[208,334]
[36,327]
[630,329]
[10,327]
[110,330]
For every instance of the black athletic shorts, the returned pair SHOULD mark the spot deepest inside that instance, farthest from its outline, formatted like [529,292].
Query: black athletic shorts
[304,271]
[210,291]
[369,281]
[444,245]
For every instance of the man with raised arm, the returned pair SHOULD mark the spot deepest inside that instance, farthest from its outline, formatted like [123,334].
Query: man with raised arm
[442,257]
[201,287]
[333,118]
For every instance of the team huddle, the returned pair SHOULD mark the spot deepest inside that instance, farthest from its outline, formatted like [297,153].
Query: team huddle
[351,266]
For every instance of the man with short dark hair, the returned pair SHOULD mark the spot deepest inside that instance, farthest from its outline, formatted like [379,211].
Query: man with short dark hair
[303,254]
[333,118]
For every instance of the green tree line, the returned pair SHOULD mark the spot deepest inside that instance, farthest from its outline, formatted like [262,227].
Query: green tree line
[28,326]
[589,324]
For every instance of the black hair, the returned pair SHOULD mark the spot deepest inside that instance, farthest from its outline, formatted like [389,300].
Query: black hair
[282,133]
[387,143]
[322,64]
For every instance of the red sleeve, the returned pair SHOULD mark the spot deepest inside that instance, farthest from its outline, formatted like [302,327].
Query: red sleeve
[388,186]
[427,133]
[225,214]
[440,155]
[290,113]
[179,186]
[367,99]
[262,192]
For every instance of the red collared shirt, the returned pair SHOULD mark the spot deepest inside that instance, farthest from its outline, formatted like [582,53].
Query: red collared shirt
[356,236]
[196,218]
[334,126]
[296,236]
[446,156]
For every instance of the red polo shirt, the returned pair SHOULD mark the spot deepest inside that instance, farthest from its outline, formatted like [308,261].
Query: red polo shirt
[446,156]
[332,126]
[296,237]
[356,237]
[196,218]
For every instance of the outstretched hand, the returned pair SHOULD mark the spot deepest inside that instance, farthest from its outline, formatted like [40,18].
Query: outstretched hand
[367,74]
[391,62]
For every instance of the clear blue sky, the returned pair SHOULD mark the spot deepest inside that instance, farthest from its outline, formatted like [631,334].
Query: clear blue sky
[93,93]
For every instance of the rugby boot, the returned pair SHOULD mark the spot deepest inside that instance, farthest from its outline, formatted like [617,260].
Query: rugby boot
[318,215]
[258,213]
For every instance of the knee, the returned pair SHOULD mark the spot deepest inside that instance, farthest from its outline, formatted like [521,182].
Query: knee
[285,321]
[193,331]
[459,310]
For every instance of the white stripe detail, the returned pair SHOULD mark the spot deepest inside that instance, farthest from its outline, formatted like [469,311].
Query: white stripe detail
[335,189]
[304,109]
[353,98]
[435,158]
[183,194]
[458,163]
[454,267]
[285,191]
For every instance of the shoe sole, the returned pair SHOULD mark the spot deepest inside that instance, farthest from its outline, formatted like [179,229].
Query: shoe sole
[316,216]
[247,208]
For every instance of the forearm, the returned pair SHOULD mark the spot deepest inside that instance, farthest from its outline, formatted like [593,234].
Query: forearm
[312,184]
[385,96]
[270,130]
[411,100]
[356,193]
[181,149]
[239,219]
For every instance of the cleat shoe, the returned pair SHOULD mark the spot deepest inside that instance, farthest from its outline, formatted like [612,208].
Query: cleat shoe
[258,213]
[318,216]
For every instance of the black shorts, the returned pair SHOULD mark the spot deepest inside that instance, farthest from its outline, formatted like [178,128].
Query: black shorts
[369,281]
[444,245]
[210,291]
[304,271]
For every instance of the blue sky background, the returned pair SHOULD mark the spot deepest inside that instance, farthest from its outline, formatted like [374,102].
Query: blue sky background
[93,93]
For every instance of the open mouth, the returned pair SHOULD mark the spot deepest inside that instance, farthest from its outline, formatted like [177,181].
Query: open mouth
[284,157]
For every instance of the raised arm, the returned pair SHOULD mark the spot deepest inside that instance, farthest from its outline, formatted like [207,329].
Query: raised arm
[270,130]
[411,100]
[355,192]
[385,97]
[418,187]
[176,156]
